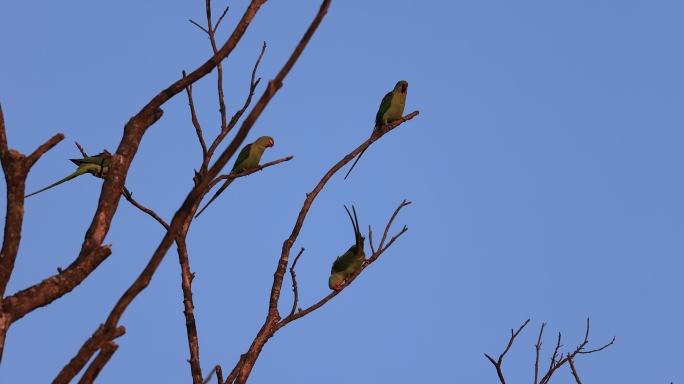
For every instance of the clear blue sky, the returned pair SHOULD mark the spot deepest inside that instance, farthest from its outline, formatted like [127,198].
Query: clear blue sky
[545,170]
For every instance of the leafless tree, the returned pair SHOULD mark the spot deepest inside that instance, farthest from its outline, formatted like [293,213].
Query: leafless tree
[558,358]
[93,252]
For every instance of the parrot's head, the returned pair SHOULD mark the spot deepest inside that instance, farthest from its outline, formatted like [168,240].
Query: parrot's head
[335,281]
[265,142]
[402,86]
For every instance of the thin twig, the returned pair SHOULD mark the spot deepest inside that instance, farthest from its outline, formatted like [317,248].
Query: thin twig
[129,196]
[80,149]
[370,238]
[198,26]
[226,128]
[208,378]
[246,172]
[218,22]
[219,68]
[555,352]
[195,120]
[537,348]
[295,290]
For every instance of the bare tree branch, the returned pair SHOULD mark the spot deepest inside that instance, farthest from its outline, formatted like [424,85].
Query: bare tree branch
[16,167]
[497,363]
[99,339]
[558,358]
[129,196]
[99,362]
[194,119]
[218,22]
[293,275]
[90,255]
[574,371]
[537,348]
[234,175]
[184,214]
[196,24]
[80,149]
[189,307]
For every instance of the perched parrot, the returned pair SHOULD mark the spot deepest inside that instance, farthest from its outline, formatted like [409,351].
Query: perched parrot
[345,265]
[391,109]
[248,158]
[97,166]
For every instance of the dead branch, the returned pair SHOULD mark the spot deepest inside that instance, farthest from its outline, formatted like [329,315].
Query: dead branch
[98,363]
[184,214]
[188,308]
[497,363]
[129,196]
[295,290]
[194,119]
[558,358]
[574,371]
[16,167]
[537,348]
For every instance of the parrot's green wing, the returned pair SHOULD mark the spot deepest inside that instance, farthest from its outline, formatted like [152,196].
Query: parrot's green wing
[342,263]
[242,156]
[384,106]
[79,172]
[99,160]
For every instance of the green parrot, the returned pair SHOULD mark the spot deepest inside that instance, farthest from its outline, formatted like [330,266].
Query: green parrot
[345,265]
[97,166]
[248,158]
[391,109]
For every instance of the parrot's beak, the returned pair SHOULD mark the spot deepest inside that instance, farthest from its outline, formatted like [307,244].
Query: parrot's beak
[270,143]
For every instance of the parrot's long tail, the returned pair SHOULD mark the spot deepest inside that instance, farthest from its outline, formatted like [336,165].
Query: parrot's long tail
[75,174]
[223,187]
[355,161]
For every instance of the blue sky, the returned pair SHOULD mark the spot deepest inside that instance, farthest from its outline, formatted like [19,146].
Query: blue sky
[545,171]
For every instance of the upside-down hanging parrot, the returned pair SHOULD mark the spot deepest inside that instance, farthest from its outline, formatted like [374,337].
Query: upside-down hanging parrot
[391,109]
[345,265]
[248,158]
[97,166]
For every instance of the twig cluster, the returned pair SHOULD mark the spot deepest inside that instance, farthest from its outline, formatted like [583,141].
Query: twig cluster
[558,358]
